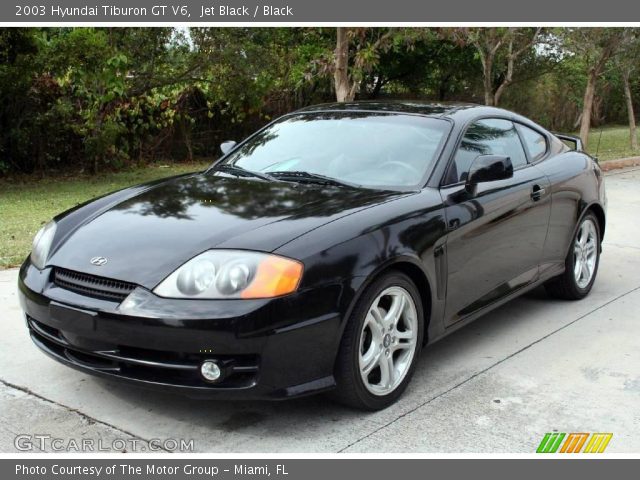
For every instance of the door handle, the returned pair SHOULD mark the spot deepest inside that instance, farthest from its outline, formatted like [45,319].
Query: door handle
[537,192]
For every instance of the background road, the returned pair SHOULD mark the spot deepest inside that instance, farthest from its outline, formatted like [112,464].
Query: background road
[533,366]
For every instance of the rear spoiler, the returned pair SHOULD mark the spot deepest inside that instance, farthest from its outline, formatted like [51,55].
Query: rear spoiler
[571,139]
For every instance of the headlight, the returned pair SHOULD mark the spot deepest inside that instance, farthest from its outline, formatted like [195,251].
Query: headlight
[42,244]
[232,274]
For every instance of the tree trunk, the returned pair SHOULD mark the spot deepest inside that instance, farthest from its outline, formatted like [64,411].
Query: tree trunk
[498,95]
[511,60]
[341,71]
[633,134]
[508,77]
[487,66]
[587,106]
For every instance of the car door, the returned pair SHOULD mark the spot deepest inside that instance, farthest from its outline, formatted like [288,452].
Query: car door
[496,235]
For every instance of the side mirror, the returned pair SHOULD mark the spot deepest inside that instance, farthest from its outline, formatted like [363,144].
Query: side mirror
[488,168]
[227,146]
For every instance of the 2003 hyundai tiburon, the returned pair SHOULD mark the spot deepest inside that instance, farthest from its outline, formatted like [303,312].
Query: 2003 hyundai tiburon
[321,253]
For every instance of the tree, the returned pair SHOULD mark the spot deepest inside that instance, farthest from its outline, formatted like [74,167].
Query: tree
[348,75]
[18,47]
[345,87]
[357,53]
[498,45]
[596,47]
[426,66]
[626,62]
[81,99]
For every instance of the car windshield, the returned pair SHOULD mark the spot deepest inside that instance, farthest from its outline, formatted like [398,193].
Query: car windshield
[367,149]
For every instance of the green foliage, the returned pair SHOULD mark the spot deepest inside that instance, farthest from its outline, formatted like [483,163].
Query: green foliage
[90,99]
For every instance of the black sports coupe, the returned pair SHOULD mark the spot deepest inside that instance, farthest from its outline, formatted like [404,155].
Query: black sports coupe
[320,254]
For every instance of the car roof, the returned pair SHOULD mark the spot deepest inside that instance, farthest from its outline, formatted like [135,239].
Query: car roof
[434,109]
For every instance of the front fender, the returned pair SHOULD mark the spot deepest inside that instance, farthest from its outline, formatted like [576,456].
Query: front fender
[355,250]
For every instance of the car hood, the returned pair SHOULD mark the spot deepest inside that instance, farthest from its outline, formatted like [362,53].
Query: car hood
[152,231]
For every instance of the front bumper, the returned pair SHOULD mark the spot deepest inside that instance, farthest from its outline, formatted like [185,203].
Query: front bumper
[267,349]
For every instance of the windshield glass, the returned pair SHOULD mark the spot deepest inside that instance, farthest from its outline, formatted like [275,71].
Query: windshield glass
[367,149]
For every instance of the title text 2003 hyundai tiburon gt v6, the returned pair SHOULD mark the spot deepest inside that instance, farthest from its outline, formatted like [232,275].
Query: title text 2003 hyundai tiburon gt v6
[319,254]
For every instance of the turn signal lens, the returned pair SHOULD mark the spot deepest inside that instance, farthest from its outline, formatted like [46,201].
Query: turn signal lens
[275,276]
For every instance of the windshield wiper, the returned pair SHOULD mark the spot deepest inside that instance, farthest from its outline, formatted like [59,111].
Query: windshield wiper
[242,172]
[308,177]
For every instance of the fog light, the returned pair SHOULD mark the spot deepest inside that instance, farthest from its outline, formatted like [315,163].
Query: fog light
[210,370]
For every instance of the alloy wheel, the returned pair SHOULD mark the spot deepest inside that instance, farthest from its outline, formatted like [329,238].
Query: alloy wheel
[388,341]
[585,253]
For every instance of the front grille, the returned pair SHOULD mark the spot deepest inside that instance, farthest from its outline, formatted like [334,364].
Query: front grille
[91,285]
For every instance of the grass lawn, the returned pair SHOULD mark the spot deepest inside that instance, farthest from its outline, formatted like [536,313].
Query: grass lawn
[614,143]
[26,203]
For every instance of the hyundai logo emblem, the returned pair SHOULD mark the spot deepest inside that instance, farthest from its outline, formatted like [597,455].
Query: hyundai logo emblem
[98,261]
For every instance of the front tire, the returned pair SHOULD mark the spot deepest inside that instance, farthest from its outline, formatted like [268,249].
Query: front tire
[581,264]
[381,344]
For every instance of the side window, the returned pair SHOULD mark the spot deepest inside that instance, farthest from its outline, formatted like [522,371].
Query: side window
[535,143]
[491,136]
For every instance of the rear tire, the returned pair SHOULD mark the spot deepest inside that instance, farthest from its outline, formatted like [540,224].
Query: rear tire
[381,344]
[581,264]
